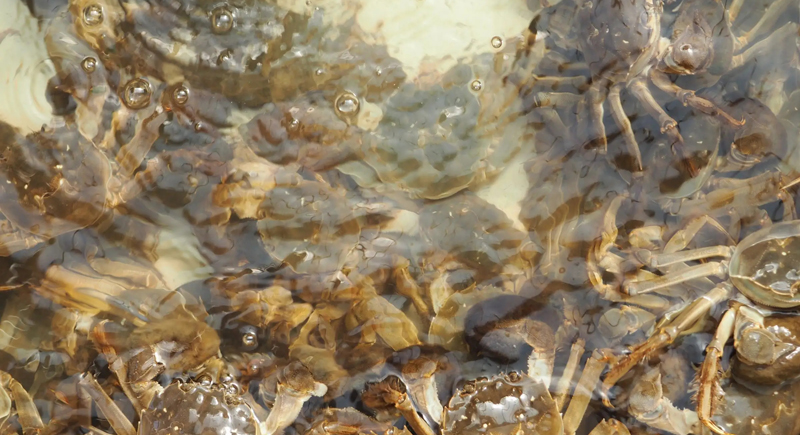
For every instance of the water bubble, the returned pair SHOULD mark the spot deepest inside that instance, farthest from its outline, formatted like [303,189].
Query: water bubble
[347,104]
[93,15]
[249,339]
[221,20]
[476,85]
[136,94]
[294,125]
[497,42]
[180,95]
[319,71]
[89,64]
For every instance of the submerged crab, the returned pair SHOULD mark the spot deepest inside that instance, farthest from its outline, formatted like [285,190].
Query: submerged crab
[621,46]
[504,403]
[219,407]
[760,268]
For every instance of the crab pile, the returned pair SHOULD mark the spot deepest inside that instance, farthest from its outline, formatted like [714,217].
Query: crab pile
[277,217]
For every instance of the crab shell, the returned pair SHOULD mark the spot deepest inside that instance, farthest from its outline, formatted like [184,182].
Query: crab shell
[503,404]
[197,408]
[763,266]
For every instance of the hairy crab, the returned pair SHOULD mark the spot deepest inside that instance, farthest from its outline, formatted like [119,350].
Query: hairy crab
[759,267]
[620,42]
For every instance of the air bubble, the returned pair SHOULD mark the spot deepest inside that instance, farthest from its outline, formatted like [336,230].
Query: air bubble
[221,20]
[249,339]
[347,104]
[89,64]
[476,85]
[180,95]
[93,15]
[497,42]
[136,94]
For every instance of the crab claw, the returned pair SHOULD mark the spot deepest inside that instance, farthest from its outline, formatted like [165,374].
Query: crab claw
[295,386]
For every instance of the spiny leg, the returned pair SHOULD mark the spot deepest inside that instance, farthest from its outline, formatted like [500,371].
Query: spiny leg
[107,406]
[688,98]
[717,269]
[773,13]
[583,391]
[664,336]
[27,413]
[594,99]
[708,390]
[565,381]
[624,124]
[667,124]
[766,45]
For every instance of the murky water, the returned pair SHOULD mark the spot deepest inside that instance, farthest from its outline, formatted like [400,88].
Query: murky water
[450,217]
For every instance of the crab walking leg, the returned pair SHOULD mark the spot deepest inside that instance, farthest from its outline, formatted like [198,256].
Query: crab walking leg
[665,335]
[659,260]
[408,412]
[688,98]
[682,238]
[29,417]
[771,16]
[719,270]
[583,391]
[668,125]
[595,99]
[610,427]
[107,406]
[565,381]
[554,99]
[709,392]
[733,9]
[624,124]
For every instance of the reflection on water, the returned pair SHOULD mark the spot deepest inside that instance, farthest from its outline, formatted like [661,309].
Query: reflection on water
[270,217]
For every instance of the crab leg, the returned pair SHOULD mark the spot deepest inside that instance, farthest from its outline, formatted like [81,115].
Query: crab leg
[773,13]
[610,427]
[29,417]
[565,381]
[688,98]
[107,406]
[624,124]
[594,98]
[665,335]
[719,270]
[583,391]
[708,390]
[660,260]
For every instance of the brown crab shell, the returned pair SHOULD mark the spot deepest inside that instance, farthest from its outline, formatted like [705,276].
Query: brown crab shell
[502,405]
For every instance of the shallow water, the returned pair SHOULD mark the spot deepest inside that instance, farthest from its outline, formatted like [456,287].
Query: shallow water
[340,198]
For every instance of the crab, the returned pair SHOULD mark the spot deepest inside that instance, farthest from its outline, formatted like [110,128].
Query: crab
[757,270]
[197,407]
[621,46]
[527,404]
